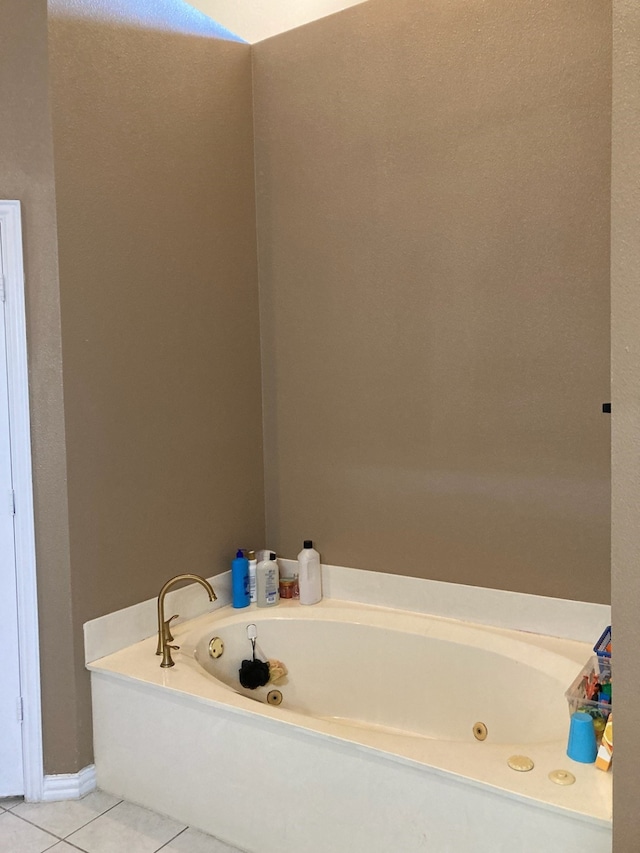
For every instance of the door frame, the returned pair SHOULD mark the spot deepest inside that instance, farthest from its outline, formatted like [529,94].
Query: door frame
[24,527]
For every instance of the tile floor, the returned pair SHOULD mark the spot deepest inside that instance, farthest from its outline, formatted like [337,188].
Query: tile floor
[98,823]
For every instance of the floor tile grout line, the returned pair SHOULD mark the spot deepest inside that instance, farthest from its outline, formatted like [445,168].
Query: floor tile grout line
[67,840]
[63,837]
[106,811]
[58,841]
[166,844]
[71,844]
[171,839]
[31,823]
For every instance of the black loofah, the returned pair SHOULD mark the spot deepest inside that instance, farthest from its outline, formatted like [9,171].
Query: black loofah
[253,673]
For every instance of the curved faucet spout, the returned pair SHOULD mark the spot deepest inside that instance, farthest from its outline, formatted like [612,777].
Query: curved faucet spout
[164,633]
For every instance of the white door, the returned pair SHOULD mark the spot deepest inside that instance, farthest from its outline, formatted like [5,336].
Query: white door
[11,769]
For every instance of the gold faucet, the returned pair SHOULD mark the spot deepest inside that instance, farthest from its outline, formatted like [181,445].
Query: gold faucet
[164,630]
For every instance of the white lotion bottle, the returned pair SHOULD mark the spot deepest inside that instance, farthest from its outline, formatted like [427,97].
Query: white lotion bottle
[253,564]
[267,582]
[309,574]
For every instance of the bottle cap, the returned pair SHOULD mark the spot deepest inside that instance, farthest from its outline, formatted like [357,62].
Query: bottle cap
[240,552]
[272,556]
[307,543]
[251,555]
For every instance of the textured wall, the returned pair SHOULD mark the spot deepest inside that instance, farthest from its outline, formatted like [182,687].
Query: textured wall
[26,173]
[364,148]
[156,226]
[625,313]
[433,222]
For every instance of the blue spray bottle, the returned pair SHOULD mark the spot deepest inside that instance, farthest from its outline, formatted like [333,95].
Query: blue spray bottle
[240,580]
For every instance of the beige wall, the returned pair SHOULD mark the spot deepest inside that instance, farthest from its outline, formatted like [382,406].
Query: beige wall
[433,231]
[26,173]
[625,313]
[151,173]
[156,224]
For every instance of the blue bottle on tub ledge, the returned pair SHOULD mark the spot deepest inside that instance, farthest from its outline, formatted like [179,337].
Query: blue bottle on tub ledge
[240,580]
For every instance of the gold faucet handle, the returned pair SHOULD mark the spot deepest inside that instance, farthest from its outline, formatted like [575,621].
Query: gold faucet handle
[167,660]
[168,637]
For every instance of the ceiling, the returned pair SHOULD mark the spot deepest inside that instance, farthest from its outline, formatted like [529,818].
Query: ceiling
[255,20]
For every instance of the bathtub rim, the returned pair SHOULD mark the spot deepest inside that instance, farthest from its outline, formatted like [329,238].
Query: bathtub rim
[541,615]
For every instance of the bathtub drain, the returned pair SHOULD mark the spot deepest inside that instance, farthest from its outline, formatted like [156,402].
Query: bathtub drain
[274,697]
[480,731]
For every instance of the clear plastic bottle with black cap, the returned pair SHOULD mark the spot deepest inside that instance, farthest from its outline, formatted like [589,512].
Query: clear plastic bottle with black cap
[267,582]
[309,574]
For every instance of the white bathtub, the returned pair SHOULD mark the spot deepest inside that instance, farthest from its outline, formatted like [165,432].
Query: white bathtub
[372,748]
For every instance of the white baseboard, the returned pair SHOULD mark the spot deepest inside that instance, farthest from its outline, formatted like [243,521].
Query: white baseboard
[69,786]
